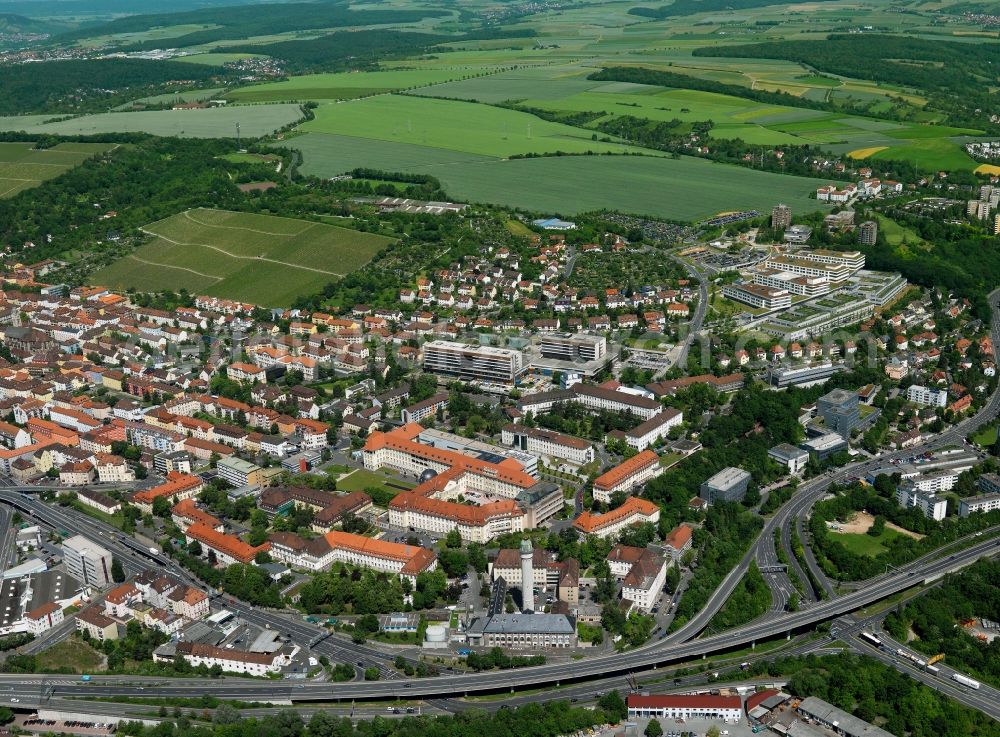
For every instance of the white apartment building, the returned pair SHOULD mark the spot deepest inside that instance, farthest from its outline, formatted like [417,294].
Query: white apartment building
[927,396]
[982,503]
[643,574]
[550,443]
[472,363]
[935,482]
[87,562]
[932,507]
[43,618]
[654,429]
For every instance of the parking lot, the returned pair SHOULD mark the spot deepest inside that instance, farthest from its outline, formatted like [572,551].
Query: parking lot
[692,728]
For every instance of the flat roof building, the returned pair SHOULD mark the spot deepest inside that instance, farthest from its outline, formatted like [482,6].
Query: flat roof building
[838,720]
[520,631]
[86,561]
[840,411]
[728,485]
[486,364]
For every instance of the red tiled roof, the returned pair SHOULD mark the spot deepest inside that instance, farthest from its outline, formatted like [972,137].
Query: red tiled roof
[632,466]
[589,522]
[681,701]
[227,544]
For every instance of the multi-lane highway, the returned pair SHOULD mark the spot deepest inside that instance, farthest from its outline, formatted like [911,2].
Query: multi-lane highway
[638,660]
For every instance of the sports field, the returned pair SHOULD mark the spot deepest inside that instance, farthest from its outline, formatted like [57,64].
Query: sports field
[23,167]
[254,120]
[262,259]
[456,126]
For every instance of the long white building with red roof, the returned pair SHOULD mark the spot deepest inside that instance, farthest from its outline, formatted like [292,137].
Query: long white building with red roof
[634,511]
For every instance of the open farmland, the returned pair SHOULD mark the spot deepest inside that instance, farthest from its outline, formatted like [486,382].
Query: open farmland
[682,189]
[456,126]
[254,120]
[22,166]
[262,259]
[341,86]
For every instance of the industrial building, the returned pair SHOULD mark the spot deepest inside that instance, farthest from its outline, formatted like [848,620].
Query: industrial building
[685,706]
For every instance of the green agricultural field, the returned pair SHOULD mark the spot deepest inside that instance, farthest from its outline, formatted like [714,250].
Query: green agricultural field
[342,86]
[931,153]
[254,120]
[684,189]
[23,167]
[456,126]
[262,259]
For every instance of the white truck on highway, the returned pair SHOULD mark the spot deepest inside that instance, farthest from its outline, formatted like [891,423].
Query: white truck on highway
[964,680]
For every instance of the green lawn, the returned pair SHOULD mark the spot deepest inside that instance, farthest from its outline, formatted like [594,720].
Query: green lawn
[895,234]
[361,479]
[262,259]
[986,437]
[865,544]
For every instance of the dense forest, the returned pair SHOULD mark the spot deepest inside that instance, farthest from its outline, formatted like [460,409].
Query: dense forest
[959,260]
[533,720]
[972,594]
[79,85]
[957,76]
[251,20]
[879,694]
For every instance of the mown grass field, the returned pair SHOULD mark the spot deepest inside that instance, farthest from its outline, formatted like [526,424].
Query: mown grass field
[456,126]
[262,259]
[22,167]
[865,544]
[254,120]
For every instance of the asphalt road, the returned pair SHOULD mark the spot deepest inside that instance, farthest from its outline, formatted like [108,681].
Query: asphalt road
[650,656]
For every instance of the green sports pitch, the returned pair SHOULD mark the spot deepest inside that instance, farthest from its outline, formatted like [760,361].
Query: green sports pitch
[263,259]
